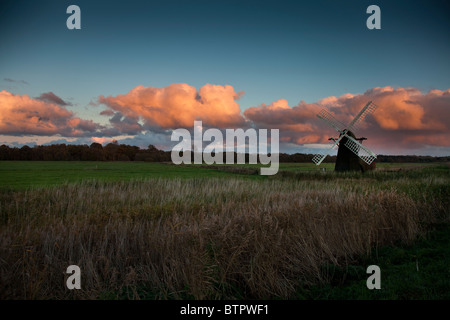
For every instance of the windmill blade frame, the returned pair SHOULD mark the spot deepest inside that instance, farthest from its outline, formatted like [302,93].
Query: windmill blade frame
[357,148]
[331,120]
[347,131]
[318,158]
[369,108]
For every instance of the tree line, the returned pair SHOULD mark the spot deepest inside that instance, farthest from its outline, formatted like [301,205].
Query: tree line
[94,152]
[122,152]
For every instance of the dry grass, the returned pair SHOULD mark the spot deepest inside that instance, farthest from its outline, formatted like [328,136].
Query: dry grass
[196,238]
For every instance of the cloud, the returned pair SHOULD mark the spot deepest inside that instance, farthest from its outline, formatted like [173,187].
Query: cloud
[22,115]
[20,145]
[102,140]
[405,118]
[125,125]
[15,81]
[178,106]
[66,141]
[279,115]
[297,125]
[107,112]
[160,140]
[52,98]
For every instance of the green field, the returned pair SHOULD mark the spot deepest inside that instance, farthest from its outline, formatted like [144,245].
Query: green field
[18,175]
[143,230]
[24,174]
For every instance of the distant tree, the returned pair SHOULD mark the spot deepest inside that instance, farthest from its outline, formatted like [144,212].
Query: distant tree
[25,153]
[15,153]
[152,148]
[111,151]
[122,157]
[129,151]
[59,152]
[5,152]
[38,153]
[77,152]
[114,152]
[96,145]
[96,152]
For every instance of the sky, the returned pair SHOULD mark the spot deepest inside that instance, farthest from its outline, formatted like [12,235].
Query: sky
[137,70]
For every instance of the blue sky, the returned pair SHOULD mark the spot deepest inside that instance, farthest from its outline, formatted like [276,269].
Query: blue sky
[293,50]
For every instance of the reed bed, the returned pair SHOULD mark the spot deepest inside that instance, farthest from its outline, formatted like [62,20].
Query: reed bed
[195,238]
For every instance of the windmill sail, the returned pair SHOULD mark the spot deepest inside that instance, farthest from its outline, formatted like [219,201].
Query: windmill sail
[357,148]
[332,121]
[368,109]
[348,131]
[318,158]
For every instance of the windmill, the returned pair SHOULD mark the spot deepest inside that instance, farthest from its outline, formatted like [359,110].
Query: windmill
[350,148]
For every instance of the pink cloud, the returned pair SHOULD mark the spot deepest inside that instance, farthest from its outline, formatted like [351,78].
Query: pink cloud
[107,112]
[52,98]
[101,140]
[22,115]
[178,105]
[405,118]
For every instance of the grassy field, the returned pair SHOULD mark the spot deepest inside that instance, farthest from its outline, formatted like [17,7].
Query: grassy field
[159,231]
[24,174]
[17,175]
